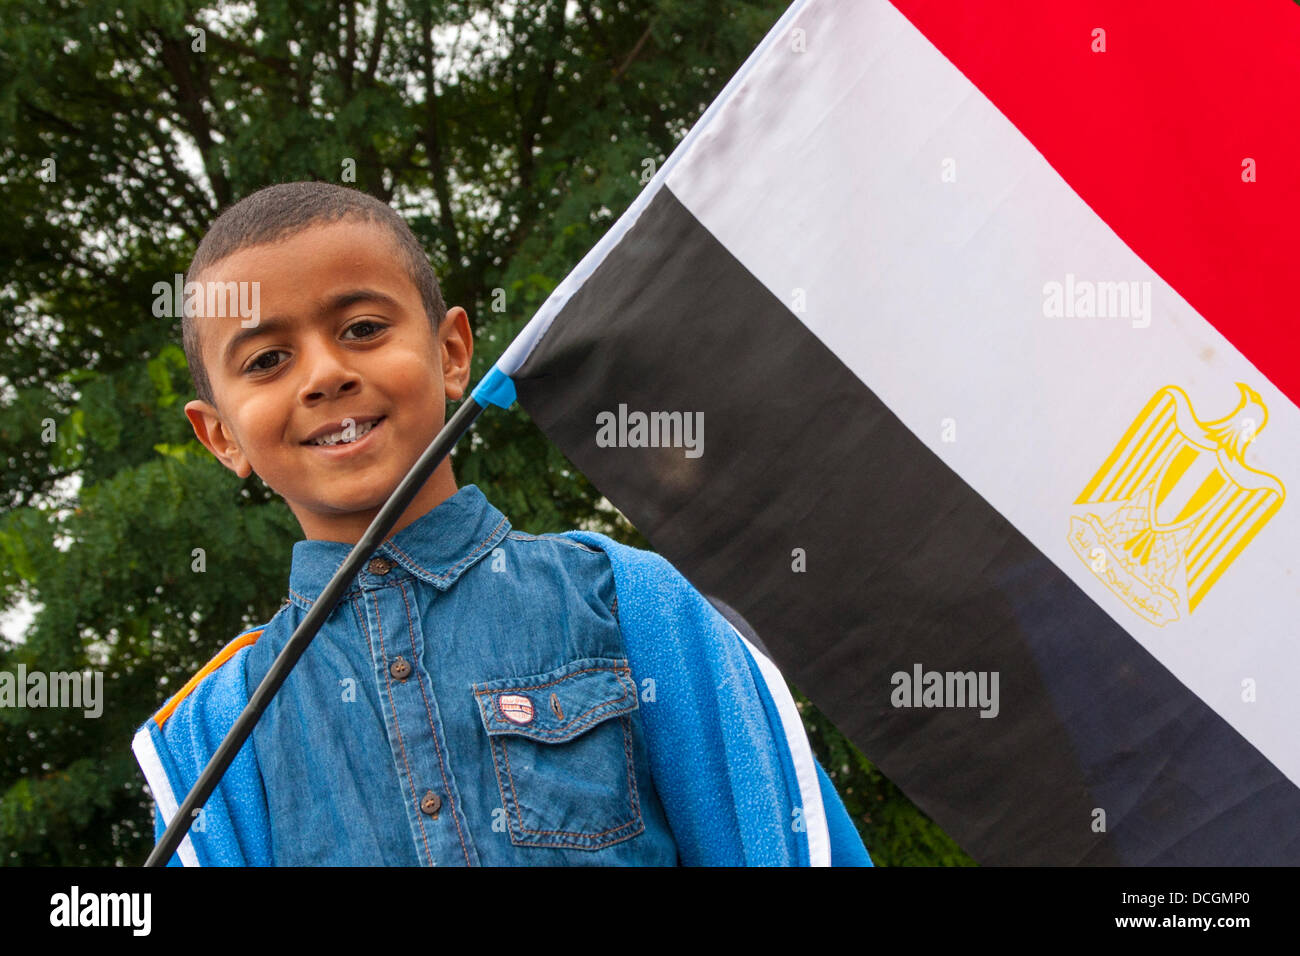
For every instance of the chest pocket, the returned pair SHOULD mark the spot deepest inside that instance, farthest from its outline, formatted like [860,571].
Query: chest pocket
[562,749]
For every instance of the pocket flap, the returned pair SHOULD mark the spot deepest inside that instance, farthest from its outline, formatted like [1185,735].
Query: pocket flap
[558,705]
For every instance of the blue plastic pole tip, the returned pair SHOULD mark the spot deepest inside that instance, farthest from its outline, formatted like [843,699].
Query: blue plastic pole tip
[495,388]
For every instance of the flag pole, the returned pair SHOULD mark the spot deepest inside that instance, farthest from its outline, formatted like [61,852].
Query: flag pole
[495,388]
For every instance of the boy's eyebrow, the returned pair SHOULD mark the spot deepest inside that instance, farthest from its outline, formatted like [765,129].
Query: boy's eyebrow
[272,324]
[335,303]
[353,296]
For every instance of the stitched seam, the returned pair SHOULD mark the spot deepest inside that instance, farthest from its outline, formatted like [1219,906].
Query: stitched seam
[631,766]
[585,670]
[451,571]
[557,538]
[514,797]
[571,845]
[573,725]
[521,730]
[496,766]
[568,728]
[576,719]
[410,629]
[361,620]
[302,597]
[388,681]
[469,558]
[561,539]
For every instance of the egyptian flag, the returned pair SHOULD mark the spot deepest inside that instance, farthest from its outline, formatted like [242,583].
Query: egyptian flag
[956,348]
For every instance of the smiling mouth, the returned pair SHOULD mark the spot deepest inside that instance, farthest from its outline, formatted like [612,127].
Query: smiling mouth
[346,436]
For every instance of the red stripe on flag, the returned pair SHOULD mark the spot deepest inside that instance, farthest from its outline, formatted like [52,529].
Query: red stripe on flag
[1152,135]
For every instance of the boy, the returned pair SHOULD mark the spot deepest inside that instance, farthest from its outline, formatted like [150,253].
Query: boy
[479,696]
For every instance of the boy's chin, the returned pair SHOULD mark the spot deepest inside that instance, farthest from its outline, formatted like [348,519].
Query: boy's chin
[340,508]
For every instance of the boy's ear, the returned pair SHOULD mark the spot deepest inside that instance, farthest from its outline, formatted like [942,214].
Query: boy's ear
[217,437]
[456,348]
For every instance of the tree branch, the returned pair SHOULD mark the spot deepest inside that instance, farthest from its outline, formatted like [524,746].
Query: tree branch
[433,143]
[278,64]
[381,24]
[183,183]
[350,48]
[530,123]
[636,50]
[191,91]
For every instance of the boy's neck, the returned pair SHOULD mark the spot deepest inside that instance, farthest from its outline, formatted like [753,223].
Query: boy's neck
[348,528]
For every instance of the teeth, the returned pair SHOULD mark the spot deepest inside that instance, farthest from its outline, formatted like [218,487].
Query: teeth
[337,437]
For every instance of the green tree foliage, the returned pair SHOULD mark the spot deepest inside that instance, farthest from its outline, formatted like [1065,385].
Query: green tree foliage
[510,136]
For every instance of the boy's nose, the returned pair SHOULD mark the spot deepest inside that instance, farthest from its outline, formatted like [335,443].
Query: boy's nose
[328,378]
[324,392]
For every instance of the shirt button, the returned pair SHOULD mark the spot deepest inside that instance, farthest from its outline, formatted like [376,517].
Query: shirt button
[379,566]
[400,668]
[431,804]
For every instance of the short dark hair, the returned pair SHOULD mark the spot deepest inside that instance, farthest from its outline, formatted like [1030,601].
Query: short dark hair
[279,211]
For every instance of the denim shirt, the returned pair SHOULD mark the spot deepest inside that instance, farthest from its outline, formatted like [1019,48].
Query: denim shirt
[468,703]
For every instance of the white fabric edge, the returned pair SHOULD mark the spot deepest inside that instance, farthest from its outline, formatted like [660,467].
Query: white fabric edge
[517,352]
[164,800]
[801,755]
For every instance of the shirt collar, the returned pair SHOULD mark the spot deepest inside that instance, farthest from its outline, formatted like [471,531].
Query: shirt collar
[437,547]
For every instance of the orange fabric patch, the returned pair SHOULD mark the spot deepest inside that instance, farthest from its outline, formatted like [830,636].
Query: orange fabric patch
[224,655]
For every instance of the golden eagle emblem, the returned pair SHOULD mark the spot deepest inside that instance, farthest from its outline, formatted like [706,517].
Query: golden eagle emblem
[1186,504]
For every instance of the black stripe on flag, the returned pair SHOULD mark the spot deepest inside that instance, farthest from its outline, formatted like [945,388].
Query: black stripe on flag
[905,565]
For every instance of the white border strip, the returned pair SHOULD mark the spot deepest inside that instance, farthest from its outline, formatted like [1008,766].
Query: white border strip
[810,791]
[164,799]
[522,346]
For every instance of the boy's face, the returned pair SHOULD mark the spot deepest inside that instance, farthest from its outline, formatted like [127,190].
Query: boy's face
[342,344]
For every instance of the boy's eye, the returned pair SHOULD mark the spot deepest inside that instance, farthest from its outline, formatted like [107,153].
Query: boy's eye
[366,328]
[260,365]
